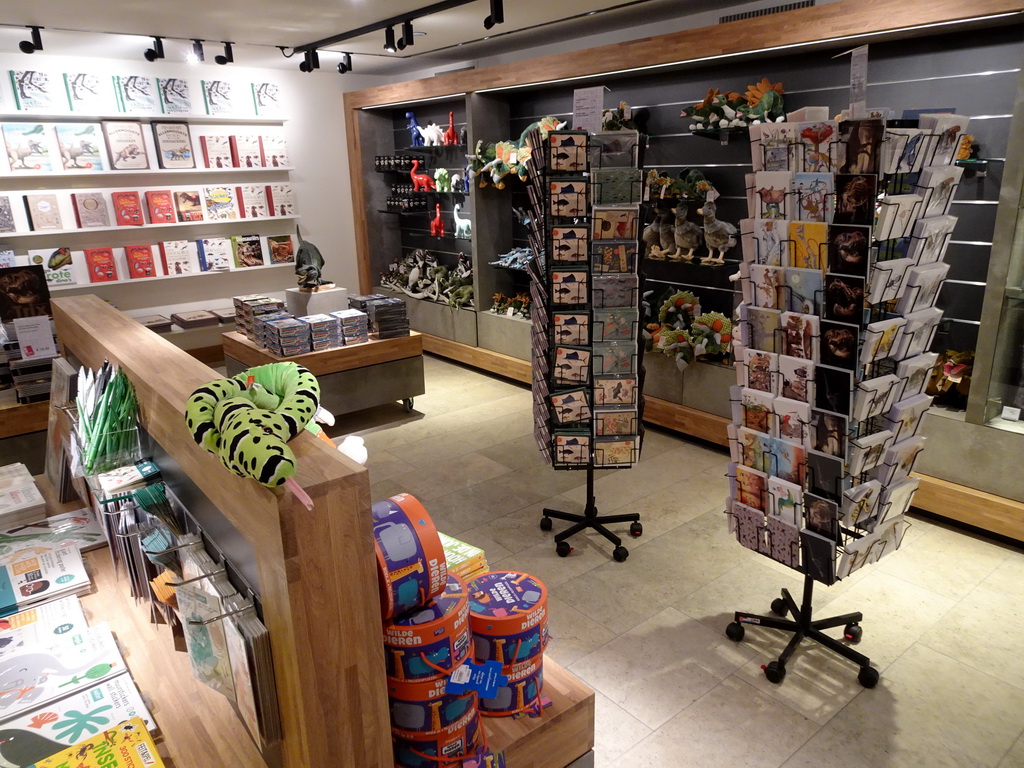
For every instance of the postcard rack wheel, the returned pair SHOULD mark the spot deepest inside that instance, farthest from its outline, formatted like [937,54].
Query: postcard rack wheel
[636,529]
[735,631]
[853,633]
[620,553]
[407,404]
[546,524]
[779,606]
[868,677]
[775,672]
[562,549]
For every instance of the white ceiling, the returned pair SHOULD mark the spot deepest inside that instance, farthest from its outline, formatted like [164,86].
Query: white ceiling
[260,25]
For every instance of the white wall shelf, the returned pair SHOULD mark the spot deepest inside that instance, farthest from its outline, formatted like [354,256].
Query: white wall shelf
[143,172]
[89,230]
[72,117]
[131,281]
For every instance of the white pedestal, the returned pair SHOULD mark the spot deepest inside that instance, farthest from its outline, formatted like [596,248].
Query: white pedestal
[300,303]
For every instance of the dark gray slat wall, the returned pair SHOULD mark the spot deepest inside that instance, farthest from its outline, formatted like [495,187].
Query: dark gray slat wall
[907,74]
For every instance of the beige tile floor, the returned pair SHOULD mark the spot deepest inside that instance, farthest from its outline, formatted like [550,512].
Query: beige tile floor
[944,616]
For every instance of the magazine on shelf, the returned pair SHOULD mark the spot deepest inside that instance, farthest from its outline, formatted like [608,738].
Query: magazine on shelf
[47,624]
[78,528]
[39,578]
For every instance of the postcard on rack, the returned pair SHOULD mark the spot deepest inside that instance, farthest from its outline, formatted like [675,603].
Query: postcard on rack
[921,288]
[614,222]
[905,415]
[572,365]
[796,378]
[860,503]
[819,556]
[772,189]
[755,449]
[768,286]
[895,500]
[829,432]
[855,199]
[616,451]
[899,459]
[783,541]
[918,332]
[915,372]
[800,335]
[615,357]
[569,288]
[821,515]
[897,214]
[615,421]
[843,298]
[572,328]
[788,460]
[571,406]
[760,370]
[945,130]
[567,197]
[874,396]
[826,475]
[848,249]
[615,324]
[785,500]
[569,245]
[771,242]
[887,280]
[615,290]
[777,148]
[793,418]
[757,409]
[613,257]
[930,239]
[861,146]
[838,344]
[572,448]
[750,526]
[867,452]
[814,196]
[809,245]
[937,185]
[804,289]
[615,390]
[902,150]
[763,325]
[752,487]
[881,339]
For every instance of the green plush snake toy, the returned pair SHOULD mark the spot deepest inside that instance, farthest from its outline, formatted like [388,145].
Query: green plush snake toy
[247,421]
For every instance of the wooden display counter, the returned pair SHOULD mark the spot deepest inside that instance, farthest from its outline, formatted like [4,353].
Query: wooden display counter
[317,584]
[351,377]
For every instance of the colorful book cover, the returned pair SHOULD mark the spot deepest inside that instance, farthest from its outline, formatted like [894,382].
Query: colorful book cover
[218,97]
[44,625]
[215,254]
[127,208]
[161,206]
[173,145]
[28,147]
[56,264]
[252,201]
[207,644]
[126,745]
[33,90]
[282,249]
[136,94]
[189,205]
[38,578]
[126,145]
[43,212]
[87,94]
[275,151]
[90,209]
[175,98]
[79,145]
[180,257]
[281,199]
[6,215]
[247,251]
[220,203]
[100,261]
[140,261]
[266,99]
[246,151]
[817,140]
[216,151]
[66,722]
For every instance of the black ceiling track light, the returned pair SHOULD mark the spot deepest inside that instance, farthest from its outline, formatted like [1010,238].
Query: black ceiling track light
[345,65]
[227,57]
[34,44]
[497,14]
[310,62]
[389,40]
[408,38]
[157,51]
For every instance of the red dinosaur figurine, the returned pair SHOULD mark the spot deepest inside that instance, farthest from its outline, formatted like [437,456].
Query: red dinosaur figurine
[421,182]
[451,136]
[437,224]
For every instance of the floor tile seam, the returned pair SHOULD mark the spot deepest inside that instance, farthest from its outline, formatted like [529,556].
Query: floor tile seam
[988,675]
[956,600]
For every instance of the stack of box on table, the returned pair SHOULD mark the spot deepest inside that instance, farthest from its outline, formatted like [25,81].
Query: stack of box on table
[198,318]
[20,500]
[324,331]
[287,337]
[355,325]
[388,318]
[248,308]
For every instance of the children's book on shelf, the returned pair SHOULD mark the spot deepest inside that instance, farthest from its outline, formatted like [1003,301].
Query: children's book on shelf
[160,204]
[39,578]
[252,201]
[140,261]
[282,249]
[90,209]
[87,93]
[57,264]
[189,205]
[175,97]
[128,208]
[281,199]
[83,714]
[216,150]
[43,210]
[247,251]
[218,97]
[80,146]
[29,147]
[136,94]
[34,91]
[267,99]
[275,151]
[173,145]
[126,745]
[180,257]
[126,145]
[40,627]
[221,204]
[215,254]
[246,151]
[7,223]
[101,265]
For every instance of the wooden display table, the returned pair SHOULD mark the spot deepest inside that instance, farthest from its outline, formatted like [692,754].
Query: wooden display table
[351,377]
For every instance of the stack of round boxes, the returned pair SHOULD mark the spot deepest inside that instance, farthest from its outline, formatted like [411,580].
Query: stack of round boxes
[426,637]
[508,617]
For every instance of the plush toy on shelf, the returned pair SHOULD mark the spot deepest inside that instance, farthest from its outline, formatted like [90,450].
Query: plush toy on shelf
[657,232]
[719,236]
[686,235]
[761,103]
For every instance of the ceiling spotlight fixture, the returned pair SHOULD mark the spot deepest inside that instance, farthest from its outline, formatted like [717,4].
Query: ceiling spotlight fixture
[497,14]
[227,57]
[157,51]
[407,33]
[345,65]
[33,45]
[310,62]
[389,40]
[196,54]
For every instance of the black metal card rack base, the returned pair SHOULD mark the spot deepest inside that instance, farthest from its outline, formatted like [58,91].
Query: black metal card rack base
[802,626]
[592,520]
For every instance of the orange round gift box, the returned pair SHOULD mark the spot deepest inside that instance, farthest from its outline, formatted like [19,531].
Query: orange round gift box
[508,616]
[431,641]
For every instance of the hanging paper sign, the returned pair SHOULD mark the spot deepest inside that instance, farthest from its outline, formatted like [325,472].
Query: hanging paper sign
[587,107]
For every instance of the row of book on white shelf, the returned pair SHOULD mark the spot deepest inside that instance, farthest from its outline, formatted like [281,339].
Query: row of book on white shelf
[65,267]
[126,145]
[66,210]
[88,93]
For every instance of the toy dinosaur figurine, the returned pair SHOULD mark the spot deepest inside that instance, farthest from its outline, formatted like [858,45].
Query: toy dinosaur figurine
[308,265]
[432,135]
[442,180]
[451,136]
[437,223]
[421,182]
[415,132]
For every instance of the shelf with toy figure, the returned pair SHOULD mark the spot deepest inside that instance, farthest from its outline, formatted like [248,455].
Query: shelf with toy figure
[723,135]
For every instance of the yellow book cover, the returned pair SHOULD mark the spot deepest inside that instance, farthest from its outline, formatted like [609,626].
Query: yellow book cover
[127,745]
[458,552]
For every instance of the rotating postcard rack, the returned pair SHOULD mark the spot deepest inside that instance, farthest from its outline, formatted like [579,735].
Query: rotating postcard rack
[842,268]
[585,289]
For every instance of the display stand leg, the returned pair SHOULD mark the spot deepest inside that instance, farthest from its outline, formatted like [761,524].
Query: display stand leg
[591,519]
[802,626]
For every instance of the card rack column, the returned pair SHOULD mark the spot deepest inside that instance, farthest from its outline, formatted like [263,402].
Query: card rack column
[842,267]
[585,315]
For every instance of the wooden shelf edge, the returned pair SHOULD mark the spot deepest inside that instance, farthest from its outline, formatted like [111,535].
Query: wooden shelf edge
[980,509]
[478,357]
[21,419]
[563,733]
[372,352]
[687,420]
